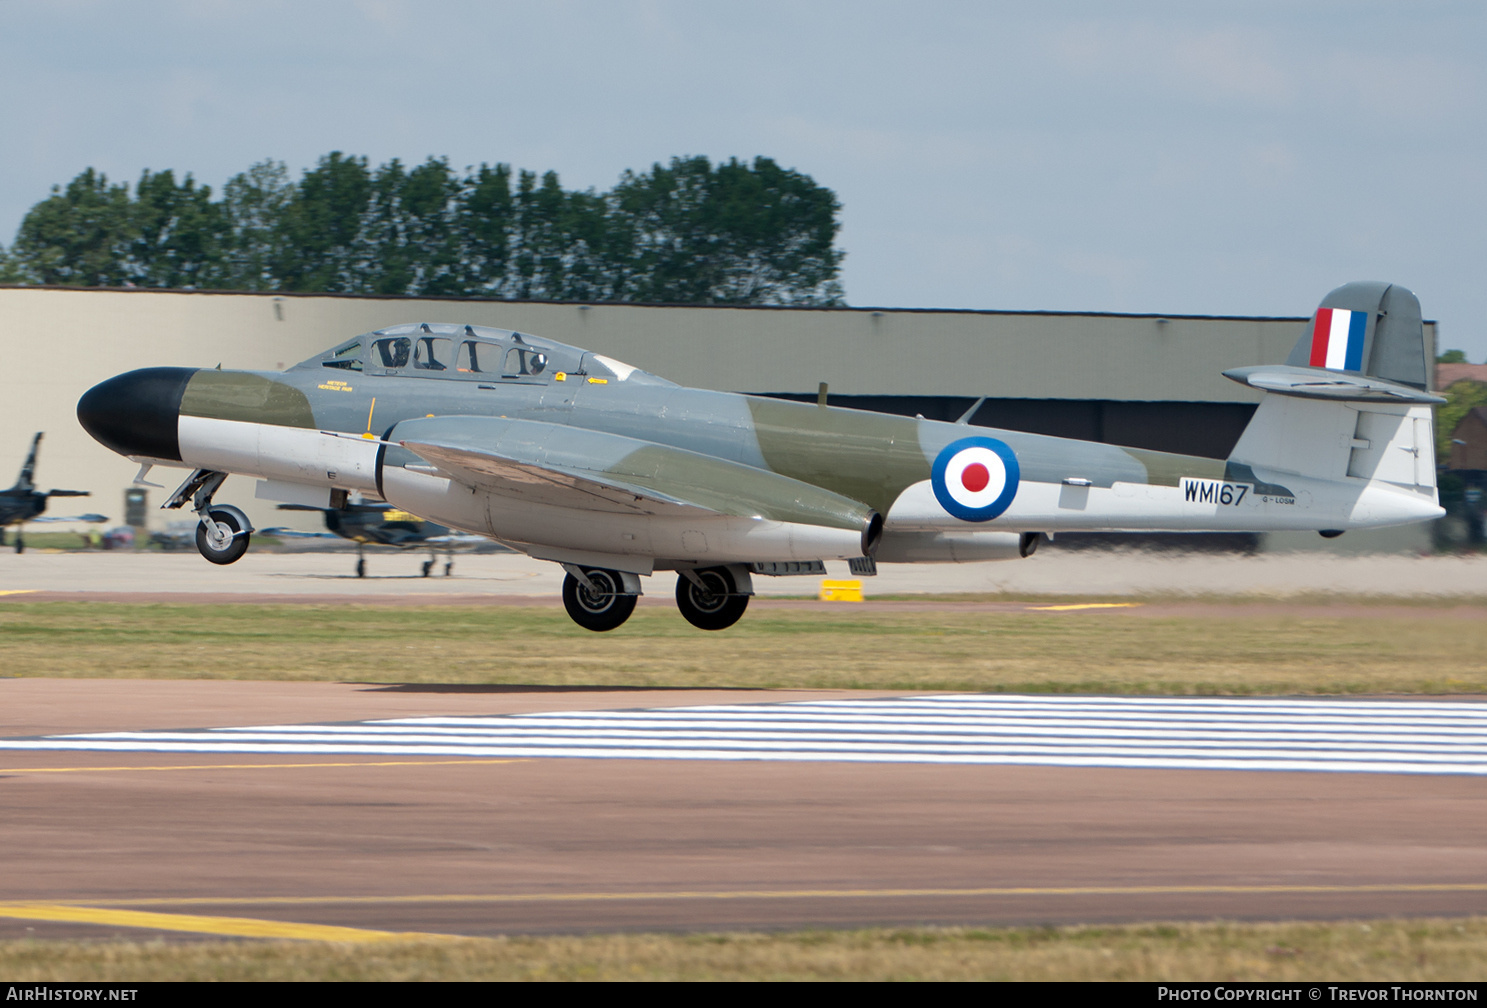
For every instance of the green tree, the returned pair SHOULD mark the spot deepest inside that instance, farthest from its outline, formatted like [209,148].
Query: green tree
[10,272]
[1452,357]
[486,219]
[734,234]
[255,206]
[79,236]
[559,248]
[178,233]
[409,241]
[1461,398]
[321,224]
[689,232]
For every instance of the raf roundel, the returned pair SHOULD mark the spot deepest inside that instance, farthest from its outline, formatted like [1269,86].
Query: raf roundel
[975,478]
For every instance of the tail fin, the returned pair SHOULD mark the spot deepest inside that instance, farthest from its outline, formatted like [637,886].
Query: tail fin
[28,468]
[1371,329]
[1351,405]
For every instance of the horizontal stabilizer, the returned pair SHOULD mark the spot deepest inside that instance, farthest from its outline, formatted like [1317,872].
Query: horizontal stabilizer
[1320,383]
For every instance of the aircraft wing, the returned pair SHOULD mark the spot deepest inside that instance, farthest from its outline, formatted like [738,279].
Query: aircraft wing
[457,539]
[593,470]
[548,484]
[281,532]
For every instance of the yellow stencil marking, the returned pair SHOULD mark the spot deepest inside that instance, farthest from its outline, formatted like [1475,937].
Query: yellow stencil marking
[237,927]
[1086,605]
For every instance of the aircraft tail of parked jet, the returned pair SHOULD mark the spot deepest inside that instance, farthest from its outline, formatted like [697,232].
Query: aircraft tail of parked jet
[23,502]
[25,482]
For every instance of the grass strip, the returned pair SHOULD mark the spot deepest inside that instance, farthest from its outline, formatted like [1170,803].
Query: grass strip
[1262,651]
[1387,950]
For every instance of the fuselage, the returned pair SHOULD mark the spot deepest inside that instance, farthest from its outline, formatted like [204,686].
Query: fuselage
[938,491]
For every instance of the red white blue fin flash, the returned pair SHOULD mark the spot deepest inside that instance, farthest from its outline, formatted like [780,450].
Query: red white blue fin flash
[1337,339]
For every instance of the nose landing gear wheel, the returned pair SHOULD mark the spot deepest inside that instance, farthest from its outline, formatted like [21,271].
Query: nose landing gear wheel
[601,609]
[714,607]
[220,536]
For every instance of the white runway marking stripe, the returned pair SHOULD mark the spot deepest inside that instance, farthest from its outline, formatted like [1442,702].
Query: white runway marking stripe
[1179,732]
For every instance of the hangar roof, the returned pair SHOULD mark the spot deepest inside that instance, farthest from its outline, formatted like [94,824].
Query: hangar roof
[858,351]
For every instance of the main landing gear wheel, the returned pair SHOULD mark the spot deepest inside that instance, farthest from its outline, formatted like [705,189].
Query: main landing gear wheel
[602,608]
[221,536]
[713,607]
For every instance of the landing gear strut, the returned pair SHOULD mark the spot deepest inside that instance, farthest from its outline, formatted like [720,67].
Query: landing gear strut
[223,531]
[709,599]
[598,599]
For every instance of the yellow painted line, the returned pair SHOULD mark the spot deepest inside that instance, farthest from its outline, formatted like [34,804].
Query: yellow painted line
[1086,605]
[236,927]
[249,766]
[18,591]
[773,894]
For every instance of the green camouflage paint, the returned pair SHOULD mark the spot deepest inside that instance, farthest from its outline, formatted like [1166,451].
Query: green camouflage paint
[869,457]
[242,395]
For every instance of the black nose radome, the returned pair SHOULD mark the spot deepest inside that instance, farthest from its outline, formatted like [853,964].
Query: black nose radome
[137,413]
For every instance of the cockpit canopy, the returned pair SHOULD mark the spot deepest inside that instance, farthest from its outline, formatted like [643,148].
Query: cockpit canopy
[468,352]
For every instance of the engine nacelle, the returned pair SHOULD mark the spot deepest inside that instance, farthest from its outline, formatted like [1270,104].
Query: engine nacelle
[955,547]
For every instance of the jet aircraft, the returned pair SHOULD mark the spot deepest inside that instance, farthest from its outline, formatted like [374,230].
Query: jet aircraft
[23,502]
[616,474]
[379,523]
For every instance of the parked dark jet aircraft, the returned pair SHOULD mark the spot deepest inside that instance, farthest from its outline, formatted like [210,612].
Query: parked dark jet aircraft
[23,502]
[380,524]
[570,456]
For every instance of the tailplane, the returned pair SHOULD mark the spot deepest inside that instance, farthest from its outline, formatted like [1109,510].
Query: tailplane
[1351,406]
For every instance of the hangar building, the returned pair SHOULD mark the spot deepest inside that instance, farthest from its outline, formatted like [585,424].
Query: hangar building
[1149,381]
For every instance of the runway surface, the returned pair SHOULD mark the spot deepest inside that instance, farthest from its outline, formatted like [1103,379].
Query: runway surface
[1136,732]
[490,835]
[493,576]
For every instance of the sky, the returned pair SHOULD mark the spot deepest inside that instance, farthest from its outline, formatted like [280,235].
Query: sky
[1234,158]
